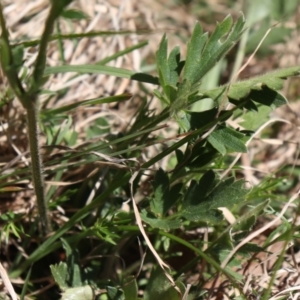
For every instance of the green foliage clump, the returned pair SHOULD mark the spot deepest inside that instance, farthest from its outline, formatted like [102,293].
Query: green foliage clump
[190,195]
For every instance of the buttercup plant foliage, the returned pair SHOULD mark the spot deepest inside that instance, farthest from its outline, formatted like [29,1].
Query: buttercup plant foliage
[187,196]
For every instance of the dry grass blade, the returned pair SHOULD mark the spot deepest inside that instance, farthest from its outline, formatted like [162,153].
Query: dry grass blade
[235,77]
[162,264]
[7,283]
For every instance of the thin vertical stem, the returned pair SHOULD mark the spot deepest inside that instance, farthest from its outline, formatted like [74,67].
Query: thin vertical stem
[40,63]
[37,166]
[29,99]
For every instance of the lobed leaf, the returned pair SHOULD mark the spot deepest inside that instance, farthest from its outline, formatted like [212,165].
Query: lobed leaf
[226,138]
[220,42]
[164,197]
[240,90]
[194,49]
[204,198]
[60,274]
[168,68]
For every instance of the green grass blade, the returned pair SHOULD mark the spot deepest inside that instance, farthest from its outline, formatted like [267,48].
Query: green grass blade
[91,34]
[121,53]
[99,69]
[95,101]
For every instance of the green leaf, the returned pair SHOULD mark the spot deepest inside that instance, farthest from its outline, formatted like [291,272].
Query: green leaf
[268,97]
[114,293]
[202,54]
[163,198]
[60,275]
[78,293]
[194,50]
[202,200]
[74,14]
[249,104]
[191,120]
[162,62]
[250,247]
[252,120]
[184,90]
[226,138]
[73,263]
[220,42]
[217,144]
[130,288]
[164,224]
[174,66]
[240,90]
[159,287]
[168,68]
[161,191]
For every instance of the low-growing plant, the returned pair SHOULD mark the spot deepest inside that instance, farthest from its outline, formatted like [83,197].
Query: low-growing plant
[190,194]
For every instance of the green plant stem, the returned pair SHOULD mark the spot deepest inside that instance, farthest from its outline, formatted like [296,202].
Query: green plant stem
[40,62]
[37,166]
[30,103]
